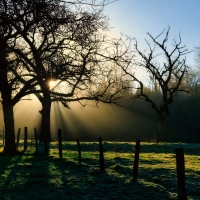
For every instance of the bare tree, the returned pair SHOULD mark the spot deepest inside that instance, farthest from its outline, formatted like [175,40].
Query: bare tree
[197,56]
[166,67]
[52,40]
[79,75]
[7,16]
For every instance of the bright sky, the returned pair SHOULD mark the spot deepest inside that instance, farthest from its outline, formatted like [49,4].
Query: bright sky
[137,17]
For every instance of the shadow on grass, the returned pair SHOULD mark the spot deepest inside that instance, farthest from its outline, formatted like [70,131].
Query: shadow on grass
[37,176]
[24,176]
[9,175]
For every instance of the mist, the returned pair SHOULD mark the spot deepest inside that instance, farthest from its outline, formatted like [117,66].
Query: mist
[113,123]
[88,123]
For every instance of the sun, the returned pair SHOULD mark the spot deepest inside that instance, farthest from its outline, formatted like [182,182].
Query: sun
[52,84]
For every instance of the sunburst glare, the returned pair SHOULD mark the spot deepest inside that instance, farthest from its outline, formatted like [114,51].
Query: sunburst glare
[52,84]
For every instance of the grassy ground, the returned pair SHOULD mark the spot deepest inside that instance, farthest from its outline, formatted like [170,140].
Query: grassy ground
[37,176]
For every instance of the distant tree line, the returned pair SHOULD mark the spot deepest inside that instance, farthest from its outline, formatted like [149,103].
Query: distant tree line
[183,123]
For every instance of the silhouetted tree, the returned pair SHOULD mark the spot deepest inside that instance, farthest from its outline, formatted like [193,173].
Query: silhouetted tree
[166,67]
[52,40]
[72,61]
[8,16]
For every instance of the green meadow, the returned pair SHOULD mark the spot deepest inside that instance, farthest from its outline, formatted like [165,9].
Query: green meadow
[30,175]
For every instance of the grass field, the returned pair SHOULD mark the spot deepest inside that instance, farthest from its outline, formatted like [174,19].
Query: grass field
[37,176]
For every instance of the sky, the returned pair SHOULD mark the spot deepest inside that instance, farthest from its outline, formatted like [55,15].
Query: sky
[137,17]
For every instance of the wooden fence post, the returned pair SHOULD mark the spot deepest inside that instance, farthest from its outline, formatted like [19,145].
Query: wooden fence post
[18,136]
[136,160]
[60,143]
[25,138]
[79,150]
[3,136]
[102,168]
[180,168]
[36,143]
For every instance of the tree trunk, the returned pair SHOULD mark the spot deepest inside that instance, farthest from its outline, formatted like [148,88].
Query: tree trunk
[6,94]
[9,147]
[46,110]
[159,136]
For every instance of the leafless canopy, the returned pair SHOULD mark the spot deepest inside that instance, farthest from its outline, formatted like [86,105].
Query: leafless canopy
[59,40]
[165,65]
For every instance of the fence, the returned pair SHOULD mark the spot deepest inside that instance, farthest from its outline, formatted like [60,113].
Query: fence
[180,163]
[2,135]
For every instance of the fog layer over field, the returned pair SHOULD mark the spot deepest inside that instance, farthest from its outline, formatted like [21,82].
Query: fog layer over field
[134,121]
[88,123]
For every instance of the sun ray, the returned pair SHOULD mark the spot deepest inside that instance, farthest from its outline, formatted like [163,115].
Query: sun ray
[52,84]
